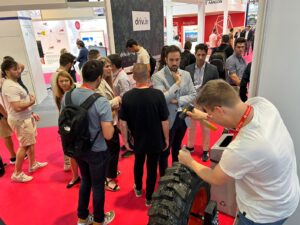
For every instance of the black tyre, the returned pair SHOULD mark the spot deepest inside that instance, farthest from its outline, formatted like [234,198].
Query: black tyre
[180,199]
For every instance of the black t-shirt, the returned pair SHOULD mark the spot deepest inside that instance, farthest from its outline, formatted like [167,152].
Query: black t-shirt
[144,110]
[227,48]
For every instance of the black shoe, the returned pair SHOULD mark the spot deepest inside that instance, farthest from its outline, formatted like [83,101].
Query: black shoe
[72,183]
[192,149]
[148,203]
[12,160]
[127,154]
[205,156]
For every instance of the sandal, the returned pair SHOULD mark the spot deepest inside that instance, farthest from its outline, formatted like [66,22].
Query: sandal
[115,188]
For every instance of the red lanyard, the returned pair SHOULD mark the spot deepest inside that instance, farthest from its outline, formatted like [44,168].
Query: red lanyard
[142,85]
[86,86]
[117,75]
[242,121]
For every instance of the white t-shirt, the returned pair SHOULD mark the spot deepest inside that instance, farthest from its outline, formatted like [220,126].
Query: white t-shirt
[213,39]
[1,96]
[262,161]
[13,92]
[143,56]
[121,83]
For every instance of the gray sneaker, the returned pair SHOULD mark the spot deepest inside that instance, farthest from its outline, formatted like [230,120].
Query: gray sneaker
[108,217]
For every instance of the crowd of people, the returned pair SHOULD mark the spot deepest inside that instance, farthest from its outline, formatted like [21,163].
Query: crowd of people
[147,118]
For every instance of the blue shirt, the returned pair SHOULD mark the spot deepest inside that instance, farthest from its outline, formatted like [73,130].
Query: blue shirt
[99,112]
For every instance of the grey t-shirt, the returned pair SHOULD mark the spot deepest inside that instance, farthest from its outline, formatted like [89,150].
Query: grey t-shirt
[235,64]
[99,112]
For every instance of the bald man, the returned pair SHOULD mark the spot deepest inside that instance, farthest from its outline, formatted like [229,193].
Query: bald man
[145,114]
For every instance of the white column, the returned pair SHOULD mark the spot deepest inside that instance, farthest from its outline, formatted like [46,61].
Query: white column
[201,21]
[169,21]
[225,18]
[110,28]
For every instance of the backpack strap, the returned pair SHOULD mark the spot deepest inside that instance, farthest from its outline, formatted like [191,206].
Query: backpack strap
[68,100]
[86,105]
[90,101]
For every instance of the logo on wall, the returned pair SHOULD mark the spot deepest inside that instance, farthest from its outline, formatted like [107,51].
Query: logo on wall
[77,25]
[140,20]
[208,2]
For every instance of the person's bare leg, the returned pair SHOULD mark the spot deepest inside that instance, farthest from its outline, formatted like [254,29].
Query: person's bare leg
[10,146]
[192,134]
[74,168]
[31,155]
[19,159]
[205,137]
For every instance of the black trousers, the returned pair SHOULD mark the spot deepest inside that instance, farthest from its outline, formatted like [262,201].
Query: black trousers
[176,135]
[92,169]
[113,147]
[151,163]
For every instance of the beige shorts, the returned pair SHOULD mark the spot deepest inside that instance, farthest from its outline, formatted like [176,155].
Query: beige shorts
[5,130]
[25,131]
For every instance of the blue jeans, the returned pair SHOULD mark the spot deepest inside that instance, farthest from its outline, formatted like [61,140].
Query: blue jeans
[244,221]
[92,168]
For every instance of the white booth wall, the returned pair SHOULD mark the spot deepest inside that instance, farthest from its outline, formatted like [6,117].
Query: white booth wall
[17,40]
[59,34]
[277,63]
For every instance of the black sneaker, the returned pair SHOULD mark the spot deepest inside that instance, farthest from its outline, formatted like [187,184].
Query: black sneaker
[192,149]
[205,156]
[127,154]
[12,160]
[138,193]
[148,203]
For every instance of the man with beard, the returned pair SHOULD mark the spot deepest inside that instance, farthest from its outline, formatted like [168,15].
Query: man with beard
[179,91]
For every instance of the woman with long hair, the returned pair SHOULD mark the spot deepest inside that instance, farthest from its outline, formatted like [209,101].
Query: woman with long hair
[64,83]
[106,89]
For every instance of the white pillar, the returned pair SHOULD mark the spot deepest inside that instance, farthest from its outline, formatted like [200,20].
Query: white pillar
[18,41]
[169,21]
[201,21]
[110,28]
[225,17]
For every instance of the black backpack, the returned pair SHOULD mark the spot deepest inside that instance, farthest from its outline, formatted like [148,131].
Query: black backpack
[152,63]
[73,123]
[218,59]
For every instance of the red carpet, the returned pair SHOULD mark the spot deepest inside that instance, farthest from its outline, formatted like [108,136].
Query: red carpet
[45,200]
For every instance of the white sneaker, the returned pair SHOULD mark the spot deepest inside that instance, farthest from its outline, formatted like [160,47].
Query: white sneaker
[109,217]
[37,165]
[22,177]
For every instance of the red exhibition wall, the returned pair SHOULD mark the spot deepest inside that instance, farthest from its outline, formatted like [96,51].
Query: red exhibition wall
[234,20]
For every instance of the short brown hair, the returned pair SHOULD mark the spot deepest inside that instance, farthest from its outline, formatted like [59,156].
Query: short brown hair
[140,72]
[217,93]
[93,54]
